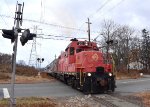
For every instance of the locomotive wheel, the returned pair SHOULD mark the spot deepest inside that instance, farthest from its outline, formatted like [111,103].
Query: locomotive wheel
[69,81]
[113,88]
[87,85]
[74,84]
[65,80]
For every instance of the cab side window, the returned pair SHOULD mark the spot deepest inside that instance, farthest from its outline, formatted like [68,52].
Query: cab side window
[71,50]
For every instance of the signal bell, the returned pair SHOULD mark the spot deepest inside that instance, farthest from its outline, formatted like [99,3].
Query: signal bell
[10,34]
[26,35]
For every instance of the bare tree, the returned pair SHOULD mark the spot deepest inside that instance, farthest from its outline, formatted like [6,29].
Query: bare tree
[121,51]
[109,29]
[108,32]
[21,62]
[5,58]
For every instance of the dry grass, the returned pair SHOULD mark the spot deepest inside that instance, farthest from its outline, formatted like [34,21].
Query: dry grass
[5,68]
[30,102]
[46,102]
[24,74]
[145,96]
[20,70]
[133,74]
[4,76]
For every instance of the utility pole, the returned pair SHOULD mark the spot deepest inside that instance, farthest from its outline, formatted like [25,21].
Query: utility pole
[89,28]
[13,35]
[18,20]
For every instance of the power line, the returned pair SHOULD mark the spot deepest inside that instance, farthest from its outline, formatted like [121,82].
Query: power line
[41,11]
[117,5]
[100,8]
[4,21]
[50,24]
[63,37]
[45,23]
[59,26]
[58,37]
[112,8]
[8,7]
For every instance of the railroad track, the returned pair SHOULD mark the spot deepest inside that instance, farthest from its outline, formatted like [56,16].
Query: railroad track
[104,102]
[114,101]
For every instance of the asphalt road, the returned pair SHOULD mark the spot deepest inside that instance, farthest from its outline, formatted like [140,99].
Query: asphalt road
[52,89]
[59,89]
[130,86]
[1,93]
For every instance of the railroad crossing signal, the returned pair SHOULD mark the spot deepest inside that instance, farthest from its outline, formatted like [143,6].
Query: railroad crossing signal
[9,34]
[109,42]
[26,35]
[40,60]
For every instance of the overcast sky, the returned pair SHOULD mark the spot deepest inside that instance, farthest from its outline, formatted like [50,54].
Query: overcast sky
[68,13]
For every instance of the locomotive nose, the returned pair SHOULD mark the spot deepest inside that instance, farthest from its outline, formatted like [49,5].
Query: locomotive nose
[89,60]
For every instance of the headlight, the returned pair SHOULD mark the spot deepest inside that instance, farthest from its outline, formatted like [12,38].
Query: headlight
[141,74]
[89,74]
[110,74]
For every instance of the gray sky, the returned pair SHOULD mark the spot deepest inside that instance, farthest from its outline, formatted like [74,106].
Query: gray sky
[69,13]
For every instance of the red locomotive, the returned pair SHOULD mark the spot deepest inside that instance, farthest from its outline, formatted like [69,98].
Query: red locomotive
[83,66]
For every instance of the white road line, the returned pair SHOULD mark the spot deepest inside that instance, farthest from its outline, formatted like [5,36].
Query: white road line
[134,81]
[6,93]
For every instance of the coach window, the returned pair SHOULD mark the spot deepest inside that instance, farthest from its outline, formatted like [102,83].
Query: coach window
[71,50]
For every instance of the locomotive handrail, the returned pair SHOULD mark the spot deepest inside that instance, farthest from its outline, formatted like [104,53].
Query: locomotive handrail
[81,68]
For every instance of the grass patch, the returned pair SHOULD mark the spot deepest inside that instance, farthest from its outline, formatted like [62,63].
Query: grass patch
[20,70]
[145,96]
[133,74]
[4,76]
[30,102]
[24,74]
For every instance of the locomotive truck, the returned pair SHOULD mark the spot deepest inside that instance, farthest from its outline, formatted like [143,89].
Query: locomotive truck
[83,66]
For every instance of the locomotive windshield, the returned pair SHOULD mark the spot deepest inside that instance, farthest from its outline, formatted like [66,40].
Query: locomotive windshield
[78,50]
